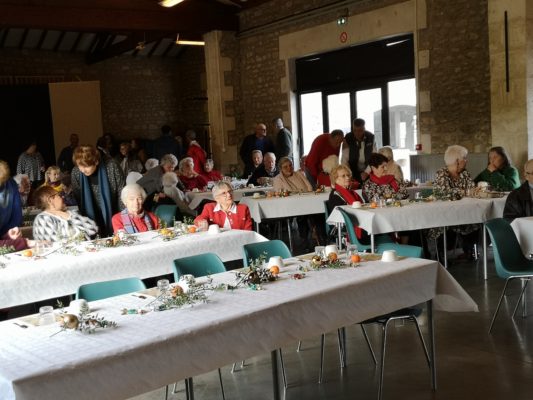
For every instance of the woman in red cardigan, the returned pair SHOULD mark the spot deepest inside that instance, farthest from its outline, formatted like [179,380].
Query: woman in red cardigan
[225,213]
[133,218]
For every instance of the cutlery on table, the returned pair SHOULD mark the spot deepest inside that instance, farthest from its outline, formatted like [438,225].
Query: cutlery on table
[21,325]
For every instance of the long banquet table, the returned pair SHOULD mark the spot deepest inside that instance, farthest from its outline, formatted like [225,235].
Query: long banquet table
[26,280]
[423,215]
[149,351]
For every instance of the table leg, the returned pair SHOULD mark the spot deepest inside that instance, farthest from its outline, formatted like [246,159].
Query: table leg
[289,233]
[257,227]
[445,249]
[431,331]
[275,378]
[372,245]
[339,235]
[484,252]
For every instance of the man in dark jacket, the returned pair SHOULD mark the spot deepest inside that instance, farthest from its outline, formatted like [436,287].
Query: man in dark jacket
[255,141]
[265,172]
[520,201]
[361,144]
[283,139]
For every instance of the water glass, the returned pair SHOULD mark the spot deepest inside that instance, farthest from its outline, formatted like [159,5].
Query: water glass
[319,251]
[164,286]
[418,196]
[202,225]
[46,315]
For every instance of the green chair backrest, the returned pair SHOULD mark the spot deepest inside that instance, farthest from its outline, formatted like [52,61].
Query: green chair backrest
[350,228]
[199,265]
[403,250]
[103,290]
[269,248]
[508,257]
[166,213]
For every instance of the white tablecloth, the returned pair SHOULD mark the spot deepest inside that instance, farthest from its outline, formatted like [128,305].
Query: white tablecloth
[281,207]
[149,351]
[523,228]
[196,198]
[423,215]
[25,280]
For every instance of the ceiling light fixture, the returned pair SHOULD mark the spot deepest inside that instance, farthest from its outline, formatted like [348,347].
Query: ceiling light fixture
[169,3]
[191,42]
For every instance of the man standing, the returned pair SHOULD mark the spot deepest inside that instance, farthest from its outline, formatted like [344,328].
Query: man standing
[361,144]
[64,161]
[265,172]
[166,144]
[519,203]
[255,141]
[195,151]
[283,139]
[323,146]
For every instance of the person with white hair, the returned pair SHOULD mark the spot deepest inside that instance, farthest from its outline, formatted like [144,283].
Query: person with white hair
[328,164]
[170,189]
[151,180]
[151,163]
[24,187]
[134,218]
[133,177]
[195,151]
[393,168]
[189,177]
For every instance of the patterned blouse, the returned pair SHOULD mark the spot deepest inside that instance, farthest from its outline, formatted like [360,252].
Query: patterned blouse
[53,228]
[31,165]
[454,188]
[372,189]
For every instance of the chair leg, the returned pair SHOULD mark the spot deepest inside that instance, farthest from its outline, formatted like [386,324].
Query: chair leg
[221,384]
[424,347]
[322,350]
[283,374]
[299,345]
[342,347]
[382,363]
[369,345]
[499,304]
[524,286]
[166,392]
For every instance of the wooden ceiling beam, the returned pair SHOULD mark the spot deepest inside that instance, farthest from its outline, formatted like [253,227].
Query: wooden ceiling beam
[130,43]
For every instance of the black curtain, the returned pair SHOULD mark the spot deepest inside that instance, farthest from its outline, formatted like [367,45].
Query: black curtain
[24,115]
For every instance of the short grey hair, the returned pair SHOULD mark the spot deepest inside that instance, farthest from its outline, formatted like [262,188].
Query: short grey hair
[132,188]
[19,177]
[257,152]
[270,154]
[184,161]
[190,134]
[151,163]
[209,161]
[387,152]
[283,160]
[455,153]
[169,159]
[219,186]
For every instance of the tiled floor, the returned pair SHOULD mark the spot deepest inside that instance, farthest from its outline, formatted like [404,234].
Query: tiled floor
[471,364]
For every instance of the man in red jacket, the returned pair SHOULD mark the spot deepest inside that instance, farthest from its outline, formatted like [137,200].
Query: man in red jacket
[323,146]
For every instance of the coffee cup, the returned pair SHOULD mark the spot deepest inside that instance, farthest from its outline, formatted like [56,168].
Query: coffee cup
[256,195]
[389,255]
[357,204]
[213,229]
[483,185]
[275,261]
[79,305]
[330,248]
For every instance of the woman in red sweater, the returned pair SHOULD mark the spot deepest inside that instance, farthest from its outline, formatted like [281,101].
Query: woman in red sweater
[225,213]
[134,218]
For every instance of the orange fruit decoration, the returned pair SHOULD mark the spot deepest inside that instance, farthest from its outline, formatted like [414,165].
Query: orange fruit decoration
[332,256]
[192,229]
[274,270]
[27,253]
[373,205]
[355,258]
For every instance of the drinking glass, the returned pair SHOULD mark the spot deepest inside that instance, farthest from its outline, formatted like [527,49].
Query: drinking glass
[163,285]
[46,315]
[418,196]
[319,251]
[203,225]
[351,250]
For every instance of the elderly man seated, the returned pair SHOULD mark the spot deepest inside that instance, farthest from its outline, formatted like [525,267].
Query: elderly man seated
[265,173]
[519,203]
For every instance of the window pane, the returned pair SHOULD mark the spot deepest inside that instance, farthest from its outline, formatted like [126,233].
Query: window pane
[312,123]
[339,112]
[402,114]
[368,104]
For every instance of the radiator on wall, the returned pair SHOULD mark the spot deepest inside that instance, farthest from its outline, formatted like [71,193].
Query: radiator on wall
[424,166]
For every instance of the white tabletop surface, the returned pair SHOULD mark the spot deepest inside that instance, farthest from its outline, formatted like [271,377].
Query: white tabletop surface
[291,206]
[523,228]
[26,280]
[148,351]
[422,215]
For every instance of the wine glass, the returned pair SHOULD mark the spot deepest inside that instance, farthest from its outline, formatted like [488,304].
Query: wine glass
[163,285]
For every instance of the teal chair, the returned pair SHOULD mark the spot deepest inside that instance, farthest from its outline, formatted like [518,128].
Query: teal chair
[166,213]
[403,250]
[350,228]
[198,266]
[508,258]
[269,248]
[102,290]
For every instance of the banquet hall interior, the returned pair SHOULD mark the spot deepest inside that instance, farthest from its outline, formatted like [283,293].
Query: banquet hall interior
[424,74]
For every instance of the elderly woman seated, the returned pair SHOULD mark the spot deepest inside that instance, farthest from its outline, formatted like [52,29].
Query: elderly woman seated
[453,182]
[225,213]
[393,168]
[211,174]
[134,218]
[56,222]
[289,180]
[379,183]
[190,178]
